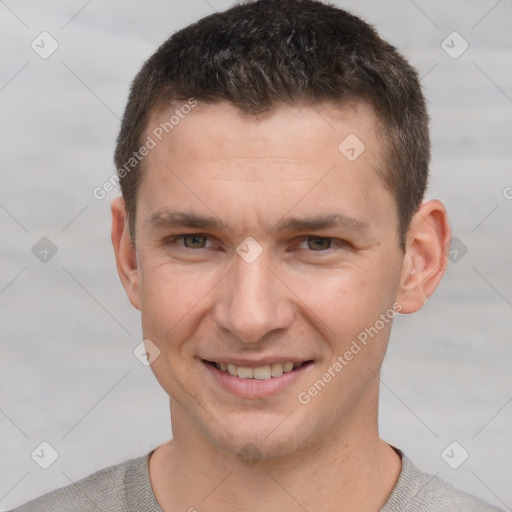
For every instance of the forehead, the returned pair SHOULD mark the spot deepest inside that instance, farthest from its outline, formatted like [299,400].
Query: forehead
[299,132]
[320,158]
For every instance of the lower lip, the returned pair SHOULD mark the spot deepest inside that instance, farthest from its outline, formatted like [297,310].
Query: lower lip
[255,388]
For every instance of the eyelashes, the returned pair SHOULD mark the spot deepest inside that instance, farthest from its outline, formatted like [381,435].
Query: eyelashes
[311,243]
[194,241]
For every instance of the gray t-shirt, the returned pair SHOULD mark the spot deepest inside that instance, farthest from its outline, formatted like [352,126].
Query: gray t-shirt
[126,488]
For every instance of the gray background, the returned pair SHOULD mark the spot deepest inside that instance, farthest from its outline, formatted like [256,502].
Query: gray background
[67,372]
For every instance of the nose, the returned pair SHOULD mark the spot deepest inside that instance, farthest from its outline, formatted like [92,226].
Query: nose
[253,301]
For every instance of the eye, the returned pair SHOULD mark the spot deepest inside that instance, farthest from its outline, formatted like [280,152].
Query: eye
[317,243]
[322,244]
[193,241]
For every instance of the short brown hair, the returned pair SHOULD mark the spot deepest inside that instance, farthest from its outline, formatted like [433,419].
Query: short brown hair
[265,53]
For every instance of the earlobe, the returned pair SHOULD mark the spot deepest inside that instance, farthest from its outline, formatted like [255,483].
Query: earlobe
[426,257]
[124,249]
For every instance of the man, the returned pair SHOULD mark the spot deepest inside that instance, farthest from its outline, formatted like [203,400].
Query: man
[273,160]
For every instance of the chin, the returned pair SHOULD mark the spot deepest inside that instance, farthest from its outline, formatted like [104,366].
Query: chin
[261,437]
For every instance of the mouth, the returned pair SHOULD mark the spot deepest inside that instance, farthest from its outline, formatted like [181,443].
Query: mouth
[265,372]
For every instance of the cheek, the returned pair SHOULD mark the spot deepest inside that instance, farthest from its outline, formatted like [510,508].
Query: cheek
[344,302]
[172,302]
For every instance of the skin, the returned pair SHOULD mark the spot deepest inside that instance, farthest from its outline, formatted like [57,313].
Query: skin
[307,296]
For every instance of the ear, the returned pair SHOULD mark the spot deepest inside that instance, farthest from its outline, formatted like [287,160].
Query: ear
[124,249]
[426,255]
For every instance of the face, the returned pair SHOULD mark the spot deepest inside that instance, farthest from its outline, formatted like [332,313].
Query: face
[263,253]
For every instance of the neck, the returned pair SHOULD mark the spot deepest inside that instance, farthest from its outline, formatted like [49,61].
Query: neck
[354,471]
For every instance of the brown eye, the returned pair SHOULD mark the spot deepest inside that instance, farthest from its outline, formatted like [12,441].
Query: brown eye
[318,243]
[194,241]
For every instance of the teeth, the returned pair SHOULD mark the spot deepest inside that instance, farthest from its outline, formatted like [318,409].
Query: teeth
[276,369]
[244,372]
[287,367]
[260,372]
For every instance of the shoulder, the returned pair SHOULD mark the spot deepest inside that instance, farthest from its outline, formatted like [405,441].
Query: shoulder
[417,491]
[107,490]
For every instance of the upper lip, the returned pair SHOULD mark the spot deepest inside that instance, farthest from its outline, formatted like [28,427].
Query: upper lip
[248,363]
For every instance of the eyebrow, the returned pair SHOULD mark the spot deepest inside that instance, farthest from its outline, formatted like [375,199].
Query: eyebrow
[334,220]
[183,219]
[179,219]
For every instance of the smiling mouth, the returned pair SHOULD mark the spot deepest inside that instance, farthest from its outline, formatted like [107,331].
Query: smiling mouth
[259,372]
